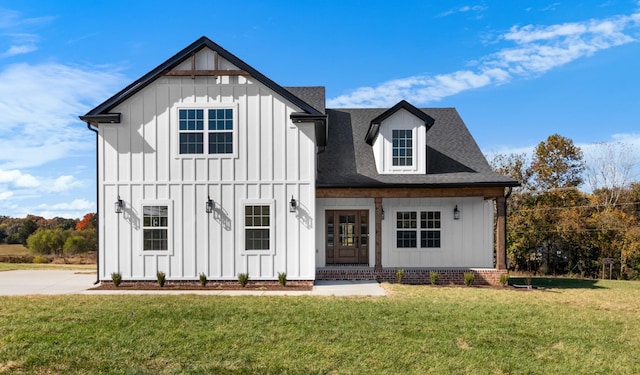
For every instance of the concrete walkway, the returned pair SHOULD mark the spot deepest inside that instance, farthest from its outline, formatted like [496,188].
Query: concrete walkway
[48,282]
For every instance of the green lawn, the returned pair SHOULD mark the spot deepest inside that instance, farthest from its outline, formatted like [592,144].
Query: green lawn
[577,327]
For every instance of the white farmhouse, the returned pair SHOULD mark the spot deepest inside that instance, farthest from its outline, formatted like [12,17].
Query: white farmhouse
[206,166]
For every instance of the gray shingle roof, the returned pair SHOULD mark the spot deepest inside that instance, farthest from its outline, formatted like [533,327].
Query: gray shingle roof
[453,157]
[312,95]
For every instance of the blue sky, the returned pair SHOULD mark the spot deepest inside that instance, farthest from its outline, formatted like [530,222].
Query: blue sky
[517,71]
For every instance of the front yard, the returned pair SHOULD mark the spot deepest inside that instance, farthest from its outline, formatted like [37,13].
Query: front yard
[577,327]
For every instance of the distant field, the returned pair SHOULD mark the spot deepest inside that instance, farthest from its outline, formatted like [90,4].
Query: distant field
[6,249]
[58,264]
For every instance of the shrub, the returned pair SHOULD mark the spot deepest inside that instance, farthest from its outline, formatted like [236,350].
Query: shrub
[75,245]
[40,259]
[399,275]
[243,279]
[116,277]
[469,278]
[203,279]
[282,278]
[161,278]
[435,277]
[504,279]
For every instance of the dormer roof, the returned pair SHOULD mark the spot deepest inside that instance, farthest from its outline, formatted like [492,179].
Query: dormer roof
[374,126]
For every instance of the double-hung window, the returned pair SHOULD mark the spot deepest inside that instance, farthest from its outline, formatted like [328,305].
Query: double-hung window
[155,228]
[206,131]
[413,227]
[258,226]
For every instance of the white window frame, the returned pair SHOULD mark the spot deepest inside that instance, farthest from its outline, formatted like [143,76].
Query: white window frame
[170,227]
[205,150]
[418,230]
[271,227]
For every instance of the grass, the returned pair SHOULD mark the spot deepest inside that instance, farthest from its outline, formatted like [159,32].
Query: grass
[11,249]
[416,329]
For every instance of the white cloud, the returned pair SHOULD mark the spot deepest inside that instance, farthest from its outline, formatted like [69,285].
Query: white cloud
[537,50]
[18,179]
[5,195]
[40,104]
[19,50]
[63,183]
[74,209]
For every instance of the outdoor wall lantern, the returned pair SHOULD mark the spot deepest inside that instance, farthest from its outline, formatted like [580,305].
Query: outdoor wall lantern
[118,206]
[456,213]
[209,205]
[382,213]
[293,204]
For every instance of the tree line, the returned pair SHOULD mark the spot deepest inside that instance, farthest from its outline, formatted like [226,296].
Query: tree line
[553,227]
[57,236]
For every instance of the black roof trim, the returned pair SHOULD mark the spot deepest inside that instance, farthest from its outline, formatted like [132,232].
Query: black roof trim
[194,47]
[374,128]
[320,122]
[102,118]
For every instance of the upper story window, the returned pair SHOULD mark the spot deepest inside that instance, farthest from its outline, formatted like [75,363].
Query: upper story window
[402,147]
[206,131]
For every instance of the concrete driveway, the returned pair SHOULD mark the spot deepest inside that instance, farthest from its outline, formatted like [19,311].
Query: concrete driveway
[21,283]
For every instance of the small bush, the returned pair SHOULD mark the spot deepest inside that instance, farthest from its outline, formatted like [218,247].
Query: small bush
[435,277]
[243,279]
[203,279]
[40,259]
[469,278]
[116,277]
[399,275]
[162,277]
[282,278]
[504,279]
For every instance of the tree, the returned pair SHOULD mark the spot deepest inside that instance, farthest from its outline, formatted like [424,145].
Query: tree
[88,222]
[28,227]
[609,172]
[556,164]
[48,241]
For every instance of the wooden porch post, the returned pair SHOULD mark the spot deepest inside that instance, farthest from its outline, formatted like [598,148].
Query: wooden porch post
[378,229]
[501,233]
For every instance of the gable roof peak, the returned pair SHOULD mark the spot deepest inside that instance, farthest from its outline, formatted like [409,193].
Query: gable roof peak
[180,57]
[374,127]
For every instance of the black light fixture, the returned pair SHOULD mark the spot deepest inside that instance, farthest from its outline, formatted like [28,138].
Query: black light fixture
[456,213]
[382,212]
[118,206]
[209,205]
[293,204]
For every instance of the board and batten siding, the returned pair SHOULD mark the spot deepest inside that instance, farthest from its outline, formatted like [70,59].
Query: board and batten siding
[467,242]
[139,162]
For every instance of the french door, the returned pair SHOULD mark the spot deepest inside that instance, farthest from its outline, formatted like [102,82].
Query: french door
[347,236]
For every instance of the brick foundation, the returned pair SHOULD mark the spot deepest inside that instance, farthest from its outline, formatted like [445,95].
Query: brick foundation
[483,276]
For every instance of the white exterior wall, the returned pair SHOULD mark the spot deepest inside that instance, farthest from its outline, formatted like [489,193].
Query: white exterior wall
[139,161]
[467,242]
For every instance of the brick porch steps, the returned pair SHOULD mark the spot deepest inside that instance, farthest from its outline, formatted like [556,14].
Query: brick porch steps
[483,276]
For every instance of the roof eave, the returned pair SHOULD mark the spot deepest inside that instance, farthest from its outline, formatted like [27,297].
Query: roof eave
[102,118]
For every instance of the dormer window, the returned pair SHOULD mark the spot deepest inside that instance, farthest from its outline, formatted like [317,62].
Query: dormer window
[398,138]
[402,148]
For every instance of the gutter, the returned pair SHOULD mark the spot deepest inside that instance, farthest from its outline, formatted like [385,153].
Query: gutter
[97,209]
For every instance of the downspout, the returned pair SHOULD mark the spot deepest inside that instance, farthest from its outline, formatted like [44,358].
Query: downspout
[97,208]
